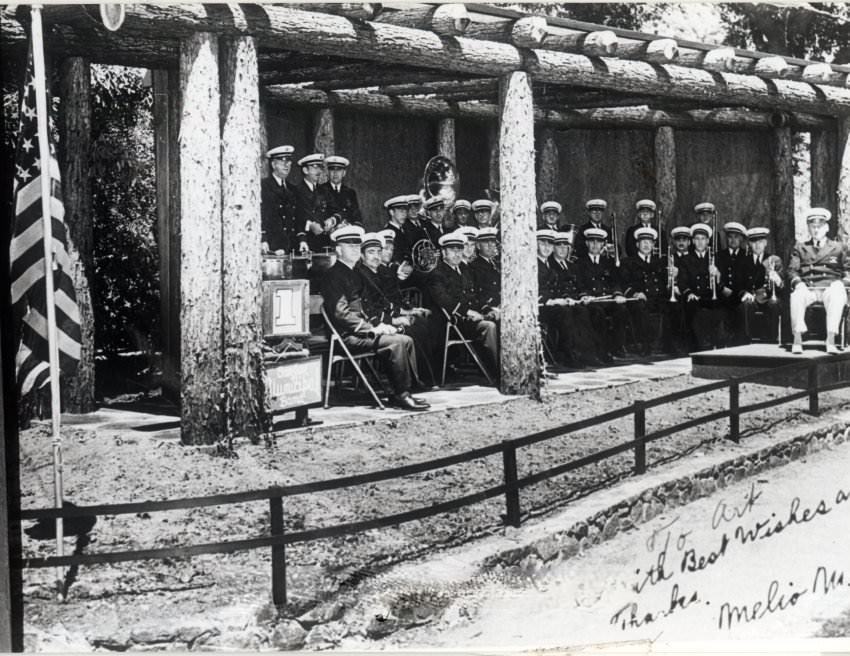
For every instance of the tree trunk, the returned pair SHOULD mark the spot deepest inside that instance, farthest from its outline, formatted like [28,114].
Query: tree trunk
[783,230]
[244,385]
[446,139]
[264,141]
[665,177]
[323,135]
[617,117]
[202,418]
[78,391]
[547,173]
[493,142]
[166,118]
[521,359]
[843,195]
[824,173]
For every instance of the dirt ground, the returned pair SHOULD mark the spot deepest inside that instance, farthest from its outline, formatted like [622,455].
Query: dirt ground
[110,600]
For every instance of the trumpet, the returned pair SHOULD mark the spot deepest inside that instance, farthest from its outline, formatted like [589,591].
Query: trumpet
[770,265]
[671,279]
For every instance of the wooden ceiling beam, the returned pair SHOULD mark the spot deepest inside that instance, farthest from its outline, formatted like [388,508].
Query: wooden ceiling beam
[449,19]
[325,34]
[623,117]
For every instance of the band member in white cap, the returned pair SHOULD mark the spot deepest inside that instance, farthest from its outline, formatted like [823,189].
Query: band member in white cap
[451,288]
[469,249]
[414,228]
[819,270]
[277,200]
[483,210]
[342,199]
[679,340]
[311,204]
[704,212]
[645,211]
[703,315]
[383,299]
[343,294]
[435,209]
[484,269]
[462,212]
[567,321]
[732,262]
[397,211]
[598,282]
[595,214]
[763,287]
[550,215]
[643,277]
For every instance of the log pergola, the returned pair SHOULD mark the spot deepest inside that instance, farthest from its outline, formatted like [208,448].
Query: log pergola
[218,68]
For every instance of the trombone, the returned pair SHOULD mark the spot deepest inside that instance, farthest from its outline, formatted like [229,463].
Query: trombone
[711,252]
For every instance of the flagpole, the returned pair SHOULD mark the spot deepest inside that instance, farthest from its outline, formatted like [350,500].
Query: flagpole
[40,82]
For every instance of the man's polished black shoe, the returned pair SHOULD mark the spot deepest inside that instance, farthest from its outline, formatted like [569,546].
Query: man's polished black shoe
[420,401]
[406,402]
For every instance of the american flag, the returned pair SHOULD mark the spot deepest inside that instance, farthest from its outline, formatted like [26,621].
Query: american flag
[29,292]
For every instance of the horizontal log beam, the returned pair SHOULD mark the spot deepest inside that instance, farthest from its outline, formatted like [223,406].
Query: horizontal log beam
[441,87]
[659,51]
[445,20]
[327,34]
[354,10]
[634,117]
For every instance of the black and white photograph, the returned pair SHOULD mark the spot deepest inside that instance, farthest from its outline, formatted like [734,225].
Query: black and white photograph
[419,326]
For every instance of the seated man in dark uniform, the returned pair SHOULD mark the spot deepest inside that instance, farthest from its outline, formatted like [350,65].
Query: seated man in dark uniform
[703,315]
[435,208]
[646,213]
[596,208]
[483,210]
[452,291]
[598,282]
[565,318]
[397,210]
[470,248]
[343,291]
[762,286]
[550,215]
[485,272]
[277,203]
[679,339]
[644,278]
[732,264]
[382,299]
[462,211]
[342,199]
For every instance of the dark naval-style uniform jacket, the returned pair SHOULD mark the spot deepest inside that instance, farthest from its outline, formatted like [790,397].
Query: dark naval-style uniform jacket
[312,205]
[600,279]
[488,281]
[580,244]
[279,226]
[638,275]
[342,202]
[732,273]
[631,245]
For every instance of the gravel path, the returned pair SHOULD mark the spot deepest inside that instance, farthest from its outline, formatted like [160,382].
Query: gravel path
[102,467]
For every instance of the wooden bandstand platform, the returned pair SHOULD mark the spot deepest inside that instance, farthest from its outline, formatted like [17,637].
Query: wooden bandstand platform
[742,360]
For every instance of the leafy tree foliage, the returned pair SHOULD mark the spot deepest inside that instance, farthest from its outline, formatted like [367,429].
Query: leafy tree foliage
[125,284]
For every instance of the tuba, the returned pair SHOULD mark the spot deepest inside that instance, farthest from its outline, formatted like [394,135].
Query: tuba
[439,179]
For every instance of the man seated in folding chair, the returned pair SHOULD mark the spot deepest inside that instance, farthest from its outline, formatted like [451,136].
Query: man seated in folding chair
[384,301]
[452,291]
[343,290]
[819,271]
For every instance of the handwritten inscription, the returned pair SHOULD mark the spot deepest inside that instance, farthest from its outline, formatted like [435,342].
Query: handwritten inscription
[737,522]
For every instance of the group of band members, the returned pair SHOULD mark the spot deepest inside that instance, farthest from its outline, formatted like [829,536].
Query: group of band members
[593,305]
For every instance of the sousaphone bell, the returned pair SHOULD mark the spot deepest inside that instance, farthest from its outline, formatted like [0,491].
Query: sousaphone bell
[439,179]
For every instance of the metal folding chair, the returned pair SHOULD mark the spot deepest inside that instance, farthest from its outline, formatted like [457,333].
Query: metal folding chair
[457,340]
[347,356]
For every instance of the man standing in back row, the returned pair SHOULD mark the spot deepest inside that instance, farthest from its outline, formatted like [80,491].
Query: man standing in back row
[277,203]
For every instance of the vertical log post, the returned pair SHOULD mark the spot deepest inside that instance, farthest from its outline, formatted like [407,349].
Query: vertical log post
[519,333]
[278,553]
[323,135]
[493,142]
[547,171]
[814,401]
[824,173]
[446,139]
[843,193]
[200,244]
[166,121]
[78,392]
[734,414]
[244,386]
[264,139]
[665,178]
[783,231]
[512,512]
[640,435]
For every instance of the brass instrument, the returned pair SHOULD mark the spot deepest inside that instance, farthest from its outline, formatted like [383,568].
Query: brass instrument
[614,238]
[440,178]
[771,264]
[671,279]
[656,250]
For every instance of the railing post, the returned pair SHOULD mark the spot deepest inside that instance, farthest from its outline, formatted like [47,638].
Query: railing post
[640,434]
[278,553]
[511,489]
[734,415]
[814,408]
